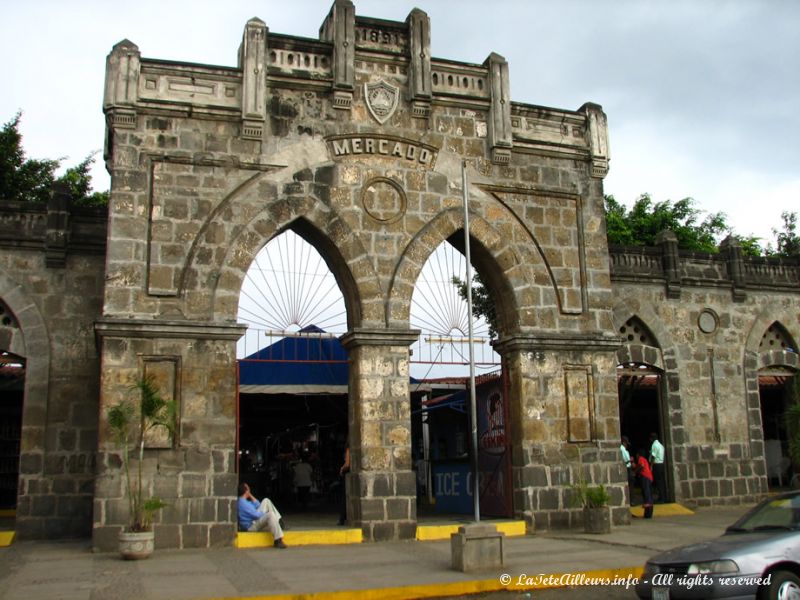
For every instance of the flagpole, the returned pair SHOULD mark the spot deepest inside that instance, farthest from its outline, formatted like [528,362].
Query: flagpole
[470,334]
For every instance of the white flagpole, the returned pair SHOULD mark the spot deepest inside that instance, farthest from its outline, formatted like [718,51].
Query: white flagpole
[472,402]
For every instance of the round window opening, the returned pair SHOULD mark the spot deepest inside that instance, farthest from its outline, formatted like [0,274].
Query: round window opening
[708,321]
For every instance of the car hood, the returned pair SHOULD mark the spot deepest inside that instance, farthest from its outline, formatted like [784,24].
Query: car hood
[727,546]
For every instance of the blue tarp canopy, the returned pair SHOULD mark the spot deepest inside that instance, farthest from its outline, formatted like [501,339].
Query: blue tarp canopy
[309,363]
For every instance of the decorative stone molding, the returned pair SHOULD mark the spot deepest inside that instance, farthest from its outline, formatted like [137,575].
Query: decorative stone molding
[134,328]
[379,337]
[537,343]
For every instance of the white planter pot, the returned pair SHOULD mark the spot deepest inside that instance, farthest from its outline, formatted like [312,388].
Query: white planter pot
[136,545]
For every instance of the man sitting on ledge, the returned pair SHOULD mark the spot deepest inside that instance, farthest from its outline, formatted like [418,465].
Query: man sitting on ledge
[255,516]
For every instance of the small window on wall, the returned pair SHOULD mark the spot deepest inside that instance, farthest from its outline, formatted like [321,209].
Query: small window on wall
[777,338]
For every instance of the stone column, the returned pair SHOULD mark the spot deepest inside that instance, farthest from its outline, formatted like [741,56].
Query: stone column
[564,424]
[381,485]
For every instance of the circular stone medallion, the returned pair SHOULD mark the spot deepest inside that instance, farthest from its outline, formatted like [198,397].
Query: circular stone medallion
[383,199]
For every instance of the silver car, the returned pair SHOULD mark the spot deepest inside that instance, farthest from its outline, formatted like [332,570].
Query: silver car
[757,557]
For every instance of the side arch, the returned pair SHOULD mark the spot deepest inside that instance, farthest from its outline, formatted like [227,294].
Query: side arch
[35,347]
[662,357]
[753,361]
[521,290]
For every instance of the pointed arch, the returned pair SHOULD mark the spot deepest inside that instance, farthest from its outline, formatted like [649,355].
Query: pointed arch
[308,216]
[518,287]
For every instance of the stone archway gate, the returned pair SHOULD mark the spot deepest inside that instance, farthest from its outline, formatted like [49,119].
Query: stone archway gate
[355,141]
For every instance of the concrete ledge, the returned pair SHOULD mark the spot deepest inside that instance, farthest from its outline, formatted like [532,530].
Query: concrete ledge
[325,537]
[307,537]
[462,588]
[662,510]
[428,533]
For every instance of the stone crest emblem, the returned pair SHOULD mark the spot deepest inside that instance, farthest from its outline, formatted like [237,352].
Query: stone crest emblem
[381,98]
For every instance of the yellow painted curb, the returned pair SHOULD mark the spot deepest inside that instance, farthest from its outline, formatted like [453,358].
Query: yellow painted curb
[663,510]
[618,577]
[6,537]
[427,533]
[306,537]
[8,512]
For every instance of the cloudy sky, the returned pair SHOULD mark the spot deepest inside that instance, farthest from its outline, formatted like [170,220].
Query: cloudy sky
[702,97]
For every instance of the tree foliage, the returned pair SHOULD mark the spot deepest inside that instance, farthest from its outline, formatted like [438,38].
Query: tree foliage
[639,225]
[482,303]
[31,180]
[788,239]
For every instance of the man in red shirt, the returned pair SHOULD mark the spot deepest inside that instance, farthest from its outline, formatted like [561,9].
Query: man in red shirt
[642,469]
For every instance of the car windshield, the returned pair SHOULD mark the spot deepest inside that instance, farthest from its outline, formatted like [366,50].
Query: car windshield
[775,514]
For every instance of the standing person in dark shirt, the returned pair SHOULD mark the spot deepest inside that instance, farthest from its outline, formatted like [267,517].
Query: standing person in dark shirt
[659,471]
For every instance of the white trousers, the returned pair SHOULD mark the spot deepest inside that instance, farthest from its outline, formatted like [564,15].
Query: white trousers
[270,521]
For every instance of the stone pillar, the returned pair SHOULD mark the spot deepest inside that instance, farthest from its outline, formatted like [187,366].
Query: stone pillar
[670,261]
[195,471]
[122,84]
[339,27]
[381,485]
[57,226]
[419,80]
[253,63]
[597,138]
[564,424]
[732,250]
[500,109]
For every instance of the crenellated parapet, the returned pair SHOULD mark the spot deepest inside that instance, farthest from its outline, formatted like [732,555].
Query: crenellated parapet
[678,269]
[57,228]
[332,70]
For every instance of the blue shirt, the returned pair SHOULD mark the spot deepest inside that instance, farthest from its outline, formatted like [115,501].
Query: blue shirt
[248,512]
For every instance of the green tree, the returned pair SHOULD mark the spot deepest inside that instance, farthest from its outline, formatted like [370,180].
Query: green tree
[788,240]
[639,225]
[482,303]
[30,180]
[21,178]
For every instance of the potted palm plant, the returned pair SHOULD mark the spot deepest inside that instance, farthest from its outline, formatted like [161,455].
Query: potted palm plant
[130,424]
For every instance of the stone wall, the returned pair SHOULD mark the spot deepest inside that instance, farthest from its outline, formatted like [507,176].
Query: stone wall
[51,281]
[709,314]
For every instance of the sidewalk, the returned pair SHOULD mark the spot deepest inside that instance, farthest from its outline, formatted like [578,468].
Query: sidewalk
[392,570]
